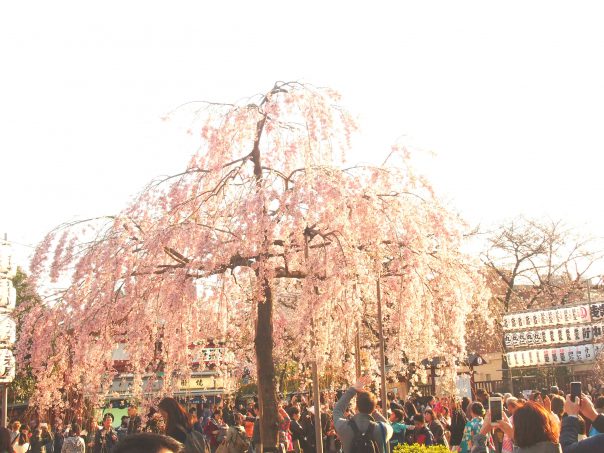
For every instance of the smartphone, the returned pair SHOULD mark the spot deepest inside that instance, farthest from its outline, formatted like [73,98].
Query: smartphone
[575,390]
[496,408]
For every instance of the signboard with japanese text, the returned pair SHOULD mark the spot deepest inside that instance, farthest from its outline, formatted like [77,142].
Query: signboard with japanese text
[561,335]
[562,355]
[577,314]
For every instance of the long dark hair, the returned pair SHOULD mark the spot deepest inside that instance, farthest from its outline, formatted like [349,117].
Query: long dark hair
[23,438]
[5,443]
[178,419]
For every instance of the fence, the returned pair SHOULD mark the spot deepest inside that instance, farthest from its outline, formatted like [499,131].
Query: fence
[491,386]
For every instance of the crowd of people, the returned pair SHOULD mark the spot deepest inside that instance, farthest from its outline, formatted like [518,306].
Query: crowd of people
[541,423]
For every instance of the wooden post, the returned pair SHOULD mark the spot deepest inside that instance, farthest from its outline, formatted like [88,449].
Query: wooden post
[317,400]
[382,352]
[315,375]
[4,405]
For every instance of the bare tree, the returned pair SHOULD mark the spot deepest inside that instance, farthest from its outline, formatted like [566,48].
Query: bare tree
[540,263]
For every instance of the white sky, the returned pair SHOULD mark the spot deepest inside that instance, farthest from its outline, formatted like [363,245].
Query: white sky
[510,95]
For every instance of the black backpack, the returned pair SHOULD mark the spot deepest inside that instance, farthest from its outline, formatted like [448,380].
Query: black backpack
[196,443]
[363,442]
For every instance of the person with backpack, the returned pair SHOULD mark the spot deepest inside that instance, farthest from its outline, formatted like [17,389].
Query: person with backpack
[236,439]
[73,443]
[397,421]
[368,431]
[178,426]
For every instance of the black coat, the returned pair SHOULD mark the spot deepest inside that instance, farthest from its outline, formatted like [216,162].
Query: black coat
[105,441]
[458,424]
[299,436]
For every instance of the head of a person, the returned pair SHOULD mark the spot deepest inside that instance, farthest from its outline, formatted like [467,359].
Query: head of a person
[429,415]
[482,395]
[16,425]
[477,410]
[239,418]
[397,416]
[23,435]
[465,402]
[410,408]
[75,430]
[107,420]
[533,424]
[5,439]
[132,410]
[44,427]
[93,426]
[431,400]
[148,443]
[217,415]
[511,404]
[125,420]
[599,403]
[558,405]
[419,421]
[173,414]
[366,402]
[293,412]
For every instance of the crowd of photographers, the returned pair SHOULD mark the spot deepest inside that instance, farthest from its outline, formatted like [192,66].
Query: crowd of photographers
[544,422]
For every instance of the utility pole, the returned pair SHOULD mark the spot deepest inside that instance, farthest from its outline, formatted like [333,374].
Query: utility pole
[357,351]
[382,352]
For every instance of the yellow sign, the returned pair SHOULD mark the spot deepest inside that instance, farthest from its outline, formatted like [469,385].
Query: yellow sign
[202,383]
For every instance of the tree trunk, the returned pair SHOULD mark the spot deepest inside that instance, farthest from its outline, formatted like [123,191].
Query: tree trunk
[267,395]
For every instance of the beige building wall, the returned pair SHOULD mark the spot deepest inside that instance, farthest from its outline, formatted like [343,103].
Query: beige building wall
[491,371]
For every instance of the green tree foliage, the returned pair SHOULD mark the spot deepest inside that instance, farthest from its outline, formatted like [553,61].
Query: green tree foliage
[22,387]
